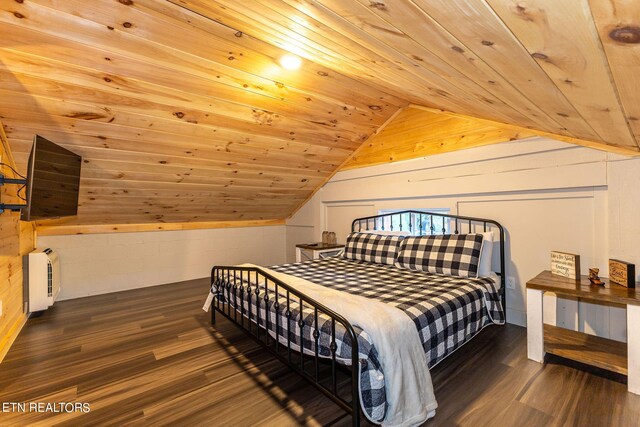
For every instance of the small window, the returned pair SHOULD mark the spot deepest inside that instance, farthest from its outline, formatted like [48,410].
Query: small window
[415,223]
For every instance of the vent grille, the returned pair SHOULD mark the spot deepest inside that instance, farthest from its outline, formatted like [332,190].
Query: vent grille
[49,279]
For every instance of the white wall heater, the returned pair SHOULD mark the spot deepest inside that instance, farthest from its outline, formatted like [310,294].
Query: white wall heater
[42,284]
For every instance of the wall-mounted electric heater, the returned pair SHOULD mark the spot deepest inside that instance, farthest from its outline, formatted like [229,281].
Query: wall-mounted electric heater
[42,279]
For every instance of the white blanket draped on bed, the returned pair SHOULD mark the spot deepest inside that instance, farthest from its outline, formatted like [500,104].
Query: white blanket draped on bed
[408,387]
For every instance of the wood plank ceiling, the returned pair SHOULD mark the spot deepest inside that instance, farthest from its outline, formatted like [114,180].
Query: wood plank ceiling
[182,113]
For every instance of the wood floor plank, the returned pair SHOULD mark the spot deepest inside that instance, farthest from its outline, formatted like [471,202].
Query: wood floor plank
[150,357]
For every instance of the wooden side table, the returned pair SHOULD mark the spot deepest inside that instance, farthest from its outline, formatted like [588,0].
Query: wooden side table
[316,251]
[596,351]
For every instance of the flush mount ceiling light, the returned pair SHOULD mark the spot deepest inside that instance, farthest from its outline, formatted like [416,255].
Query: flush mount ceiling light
[290,62]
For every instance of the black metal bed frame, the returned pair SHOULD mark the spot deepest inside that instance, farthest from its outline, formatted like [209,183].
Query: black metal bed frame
[230,281]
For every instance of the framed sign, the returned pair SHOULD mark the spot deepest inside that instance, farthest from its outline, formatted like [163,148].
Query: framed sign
[565,264]
[622,273]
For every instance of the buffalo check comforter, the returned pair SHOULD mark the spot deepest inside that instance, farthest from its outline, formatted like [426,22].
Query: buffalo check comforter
[447,312]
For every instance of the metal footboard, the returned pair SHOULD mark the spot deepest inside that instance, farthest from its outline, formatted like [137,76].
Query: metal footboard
[243,293]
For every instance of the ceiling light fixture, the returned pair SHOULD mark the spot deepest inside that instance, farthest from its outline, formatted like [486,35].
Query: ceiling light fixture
[290,62]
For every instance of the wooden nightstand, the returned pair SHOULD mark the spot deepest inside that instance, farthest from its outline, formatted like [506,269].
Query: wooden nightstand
[596,351]
[310,251]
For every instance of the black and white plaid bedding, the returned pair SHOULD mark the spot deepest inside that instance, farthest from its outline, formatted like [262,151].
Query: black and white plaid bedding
[371,247]
[446,310]
[450,254]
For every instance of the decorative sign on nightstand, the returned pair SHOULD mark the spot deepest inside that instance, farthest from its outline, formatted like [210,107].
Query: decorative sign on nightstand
[622,273]
[565,264]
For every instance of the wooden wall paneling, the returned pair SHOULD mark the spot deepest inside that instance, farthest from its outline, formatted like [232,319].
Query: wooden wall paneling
[436,89]
[143,92]
[418,133]
[563,39]
[417,36]
[113,178]
[191,184]
[77,117]
[150,34]
[185,181]
[347,160]
[110,109]
[210,192]
[146,154]
[130,181]
[185,100]
[186,205]
[173,213]
[485,36]
[111,64]
[48,230]
[116,218]
[149,214]
[598,145]
[271,47]
[92,134]
[237,153]
[372,65]
[447,85]
[296,105]
[618,24]
[16,240]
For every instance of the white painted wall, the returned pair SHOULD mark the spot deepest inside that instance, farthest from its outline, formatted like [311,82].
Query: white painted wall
[549,196]
[95,264]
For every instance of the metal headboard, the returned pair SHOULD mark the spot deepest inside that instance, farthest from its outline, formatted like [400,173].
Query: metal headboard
[454,224]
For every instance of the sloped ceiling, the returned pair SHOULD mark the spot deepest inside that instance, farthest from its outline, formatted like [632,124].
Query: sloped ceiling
[182,113]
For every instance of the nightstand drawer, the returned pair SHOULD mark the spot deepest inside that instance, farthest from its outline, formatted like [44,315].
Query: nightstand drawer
[306,252]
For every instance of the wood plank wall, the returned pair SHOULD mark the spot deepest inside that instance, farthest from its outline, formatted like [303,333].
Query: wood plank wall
[16,240]
[417,133]
[179,118]
[183,114]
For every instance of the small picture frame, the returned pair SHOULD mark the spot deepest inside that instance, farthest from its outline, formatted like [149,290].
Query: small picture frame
[565,264]
[622,273]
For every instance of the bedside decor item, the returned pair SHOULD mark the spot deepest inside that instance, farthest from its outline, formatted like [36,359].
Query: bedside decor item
[593,277]
[331,238]
[565,264]
[622,273]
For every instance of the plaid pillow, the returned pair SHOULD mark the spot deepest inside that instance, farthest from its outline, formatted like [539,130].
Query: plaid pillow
[450,254]
[372,248]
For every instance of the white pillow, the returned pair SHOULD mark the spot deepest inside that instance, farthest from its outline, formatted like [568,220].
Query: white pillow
[388,233]
[486,255]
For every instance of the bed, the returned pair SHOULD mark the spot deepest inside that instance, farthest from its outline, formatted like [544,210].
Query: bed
[301,312]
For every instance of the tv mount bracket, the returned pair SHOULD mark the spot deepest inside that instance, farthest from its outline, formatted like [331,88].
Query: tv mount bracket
[8,206]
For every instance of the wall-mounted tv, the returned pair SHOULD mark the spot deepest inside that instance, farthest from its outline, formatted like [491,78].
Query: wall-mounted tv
[53,181]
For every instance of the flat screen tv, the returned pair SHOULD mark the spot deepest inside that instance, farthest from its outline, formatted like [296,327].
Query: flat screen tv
[53,181]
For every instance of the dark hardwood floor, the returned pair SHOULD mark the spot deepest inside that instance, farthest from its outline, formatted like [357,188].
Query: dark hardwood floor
[150,357]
